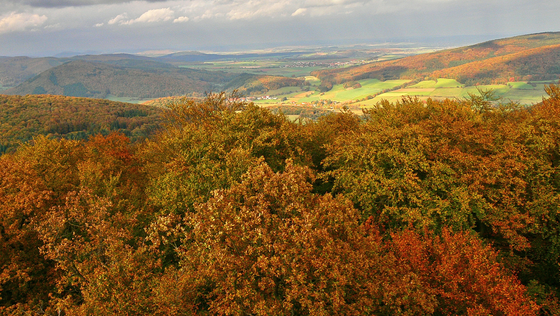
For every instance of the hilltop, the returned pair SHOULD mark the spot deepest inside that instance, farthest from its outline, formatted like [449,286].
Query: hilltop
[527,57]
[542,63]
[248,84]
[141,79]
[15,70]
[23,117]
[123,75]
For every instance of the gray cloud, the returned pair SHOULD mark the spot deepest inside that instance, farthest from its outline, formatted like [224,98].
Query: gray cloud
[70,3]
[32,26]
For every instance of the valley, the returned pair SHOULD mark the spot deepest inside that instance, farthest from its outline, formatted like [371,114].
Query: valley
[136,78]
[516,69]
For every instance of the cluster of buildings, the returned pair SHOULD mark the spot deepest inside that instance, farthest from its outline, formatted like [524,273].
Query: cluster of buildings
[266,97]
[338,64]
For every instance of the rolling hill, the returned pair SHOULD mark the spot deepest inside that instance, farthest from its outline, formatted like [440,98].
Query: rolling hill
[23,117]
[143,79]
[249,84]
[15,70]
[542,63]
[529,57]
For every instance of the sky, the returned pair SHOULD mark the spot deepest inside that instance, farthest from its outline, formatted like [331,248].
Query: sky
[51,27]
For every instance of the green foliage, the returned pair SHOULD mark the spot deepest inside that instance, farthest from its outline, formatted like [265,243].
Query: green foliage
[209,145]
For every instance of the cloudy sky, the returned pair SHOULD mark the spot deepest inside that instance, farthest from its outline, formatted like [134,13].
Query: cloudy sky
[49,27]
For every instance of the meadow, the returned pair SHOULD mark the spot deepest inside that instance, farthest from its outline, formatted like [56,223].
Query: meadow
[371,92]
[134,100]
[338,93]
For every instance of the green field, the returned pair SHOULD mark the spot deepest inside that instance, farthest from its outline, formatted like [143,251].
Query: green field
[340,94]
[126,99]
[521,92]
[515,91]
[448,83]
[426,84]
[521,86]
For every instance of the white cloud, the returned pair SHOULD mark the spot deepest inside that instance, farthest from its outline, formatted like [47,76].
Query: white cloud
[218,23]
[278,9]
[181,19]
[121,18]
[300,11]
[14,22]
[155,15]
[327,3]
[245,10]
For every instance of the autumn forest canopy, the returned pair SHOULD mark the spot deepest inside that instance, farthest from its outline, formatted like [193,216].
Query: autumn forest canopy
[444,207]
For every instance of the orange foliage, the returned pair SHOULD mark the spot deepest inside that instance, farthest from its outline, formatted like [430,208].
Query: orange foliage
[445,207]
[529,57]
[452,274]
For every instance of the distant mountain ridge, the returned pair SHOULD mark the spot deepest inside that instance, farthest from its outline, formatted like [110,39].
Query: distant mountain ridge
[125,75]
[16,70]
[203,57]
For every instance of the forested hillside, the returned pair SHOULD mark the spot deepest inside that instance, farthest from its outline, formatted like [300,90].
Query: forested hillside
[522,58]
[541,63]
[136,79]
[15,70]
[23,117]
[248,84]
[440,208]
